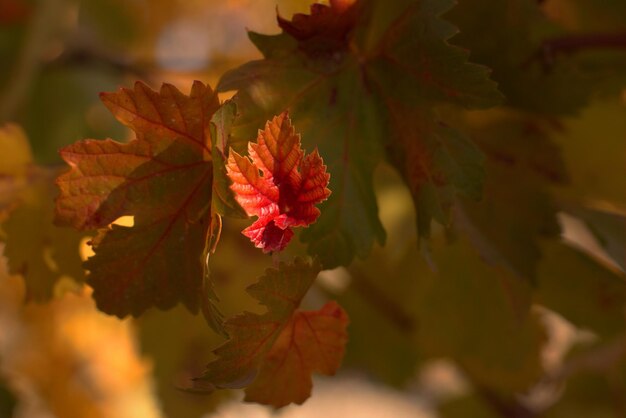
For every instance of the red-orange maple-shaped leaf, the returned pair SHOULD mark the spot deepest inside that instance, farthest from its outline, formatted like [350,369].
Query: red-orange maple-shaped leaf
[163,178]
[284,194]
[275,353]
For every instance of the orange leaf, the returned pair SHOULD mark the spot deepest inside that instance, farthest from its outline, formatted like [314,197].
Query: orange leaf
[312,341]
[275,353]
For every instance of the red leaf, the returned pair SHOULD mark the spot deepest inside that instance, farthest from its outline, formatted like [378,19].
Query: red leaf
[285,192]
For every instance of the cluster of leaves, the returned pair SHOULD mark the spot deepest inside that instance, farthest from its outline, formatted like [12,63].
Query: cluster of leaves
[168,180]
[368,84]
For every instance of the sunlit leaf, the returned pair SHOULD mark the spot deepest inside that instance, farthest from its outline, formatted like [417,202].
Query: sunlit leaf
[278,184]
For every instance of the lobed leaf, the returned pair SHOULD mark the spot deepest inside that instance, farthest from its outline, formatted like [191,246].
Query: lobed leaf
[312,341]
[517,210]
[532,59]
[275,353]
[163,179]
[480,317]
[342,72]
[278,184]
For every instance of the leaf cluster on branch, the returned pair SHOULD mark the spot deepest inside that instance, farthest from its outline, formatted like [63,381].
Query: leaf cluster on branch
[352,95]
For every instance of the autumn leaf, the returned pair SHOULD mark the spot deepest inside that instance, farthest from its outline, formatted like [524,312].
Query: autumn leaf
[287,189]
[343,72]
[163,179]
[311,341]
[275,353]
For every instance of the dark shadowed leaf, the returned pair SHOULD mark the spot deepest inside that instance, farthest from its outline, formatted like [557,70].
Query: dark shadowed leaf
[585,292]
[342,72]
[163,178]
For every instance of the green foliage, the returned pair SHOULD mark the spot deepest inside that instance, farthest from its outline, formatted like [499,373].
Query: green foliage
[369,88]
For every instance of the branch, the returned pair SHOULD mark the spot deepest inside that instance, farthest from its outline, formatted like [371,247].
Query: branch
[571,44]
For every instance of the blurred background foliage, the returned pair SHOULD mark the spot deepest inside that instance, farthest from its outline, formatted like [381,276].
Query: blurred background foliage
[455,337]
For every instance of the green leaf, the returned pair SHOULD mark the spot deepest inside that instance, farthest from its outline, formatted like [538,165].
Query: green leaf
[437,163]
[479,316]
[380,294]
[517,209]
[223,201]
[508,37]
[342,83]
[584,291]
[593,164]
